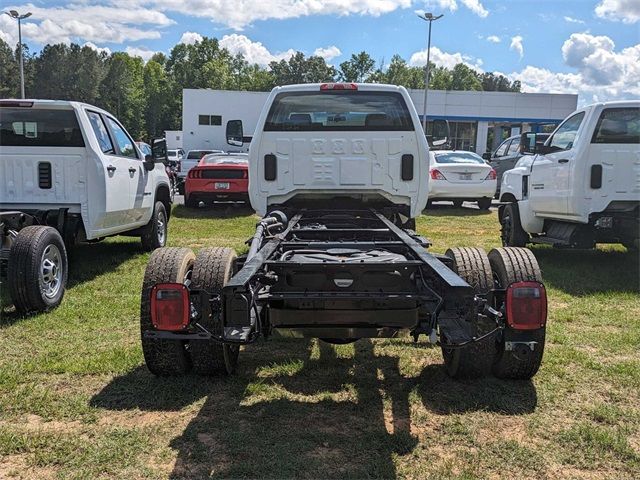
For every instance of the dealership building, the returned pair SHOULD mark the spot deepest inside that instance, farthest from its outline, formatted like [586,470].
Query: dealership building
[478,120]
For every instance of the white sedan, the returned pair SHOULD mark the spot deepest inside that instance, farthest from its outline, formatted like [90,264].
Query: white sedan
[458,176]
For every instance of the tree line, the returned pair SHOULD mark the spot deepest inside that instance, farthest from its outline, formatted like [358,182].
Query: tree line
[147,97]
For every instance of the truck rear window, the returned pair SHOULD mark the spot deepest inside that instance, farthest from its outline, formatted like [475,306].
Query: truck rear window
[34,127]
[618,125]
[338,110]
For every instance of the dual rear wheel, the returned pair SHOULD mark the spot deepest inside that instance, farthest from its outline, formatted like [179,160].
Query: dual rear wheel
[209,271]
[483,272]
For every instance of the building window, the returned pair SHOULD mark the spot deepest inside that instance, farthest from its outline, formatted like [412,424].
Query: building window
[463,135]
[214,120]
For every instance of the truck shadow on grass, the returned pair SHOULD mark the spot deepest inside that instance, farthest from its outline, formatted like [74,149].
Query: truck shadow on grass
[584,272]
[298,410]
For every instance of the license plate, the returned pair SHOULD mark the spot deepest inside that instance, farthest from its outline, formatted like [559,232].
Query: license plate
[465,176]
[222,185]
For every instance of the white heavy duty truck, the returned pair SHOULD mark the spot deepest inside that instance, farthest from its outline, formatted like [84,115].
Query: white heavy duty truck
[69,172]
[338,173]
[581,186]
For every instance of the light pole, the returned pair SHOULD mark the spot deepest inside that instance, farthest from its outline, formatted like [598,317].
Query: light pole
[17,16]
[427,17]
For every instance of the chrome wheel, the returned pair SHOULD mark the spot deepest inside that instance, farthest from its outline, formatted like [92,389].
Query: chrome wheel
[51,271]
[161,227]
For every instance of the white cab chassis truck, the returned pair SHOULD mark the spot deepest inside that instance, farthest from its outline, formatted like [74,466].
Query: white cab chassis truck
[582,186]
[69,172]
[338,173]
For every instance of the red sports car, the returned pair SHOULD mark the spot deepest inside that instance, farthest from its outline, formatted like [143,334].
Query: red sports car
[218,176]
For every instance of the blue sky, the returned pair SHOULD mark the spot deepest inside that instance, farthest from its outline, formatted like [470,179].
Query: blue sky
[590,47]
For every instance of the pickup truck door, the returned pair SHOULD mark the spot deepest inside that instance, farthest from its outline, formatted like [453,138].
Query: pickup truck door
[612,170]
[111,211]
[137,204]
[550,181]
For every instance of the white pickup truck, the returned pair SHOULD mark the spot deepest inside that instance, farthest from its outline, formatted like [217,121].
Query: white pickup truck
[339,171]
[582,186]
[69,172]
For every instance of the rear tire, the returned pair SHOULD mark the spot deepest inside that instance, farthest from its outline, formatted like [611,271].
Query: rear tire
[511,232]
[155,232]
[511,265]
[164,357]
[474,360]
[37,269]
[212,270]
[484,203]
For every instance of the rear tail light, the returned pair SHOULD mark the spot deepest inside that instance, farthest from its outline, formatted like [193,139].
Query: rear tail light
[195,173]
[492,175]
[170,306]
[436,174]
[338,86]
[526,305]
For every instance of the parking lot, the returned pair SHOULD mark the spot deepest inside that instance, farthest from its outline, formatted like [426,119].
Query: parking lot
[77,401]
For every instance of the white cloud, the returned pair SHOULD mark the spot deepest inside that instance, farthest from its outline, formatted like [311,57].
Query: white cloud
[143,52]
[328,53]
[452,5]
[241,13]
[97,48]
[93,23]
[516,44]
[626,11]
[444,59]
[189,38]
[476,7]
[254,52]
[493,39]
[573,20]
[602,73]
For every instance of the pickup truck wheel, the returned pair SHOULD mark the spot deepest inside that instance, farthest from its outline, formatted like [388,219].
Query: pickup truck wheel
[474,360]
[484,203]
[511,232]
[155,235]
[164,357]
[37,269]
[511,265]
[213,268]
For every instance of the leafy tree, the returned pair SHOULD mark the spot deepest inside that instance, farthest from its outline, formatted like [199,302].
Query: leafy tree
[464,78]
[498,83]
[9,72]
[122,91]
[358,68]
[299,69]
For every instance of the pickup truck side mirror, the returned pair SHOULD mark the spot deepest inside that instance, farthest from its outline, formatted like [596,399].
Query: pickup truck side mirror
[234,132]
[487,156]
[439,136]
[158,154]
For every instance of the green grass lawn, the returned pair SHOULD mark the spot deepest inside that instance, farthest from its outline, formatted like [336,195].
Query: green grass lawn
[76,400]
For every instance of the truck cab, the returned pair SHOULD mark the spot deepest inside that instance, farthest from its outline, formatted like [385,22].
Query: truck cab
[581,186]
